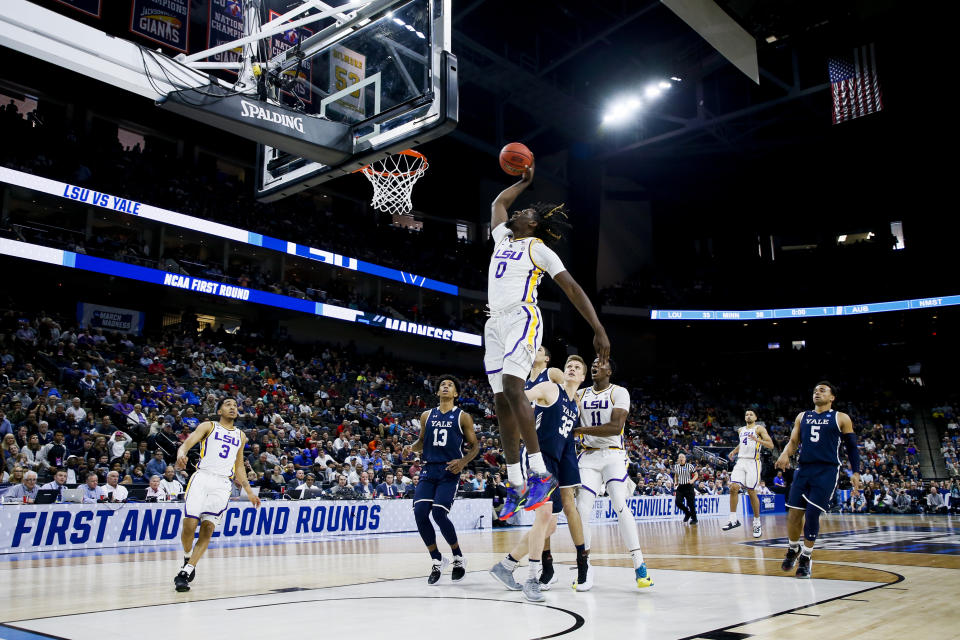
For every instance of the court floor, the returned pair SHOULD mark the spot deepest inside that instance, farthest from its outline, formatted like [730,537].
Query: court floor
[875,577]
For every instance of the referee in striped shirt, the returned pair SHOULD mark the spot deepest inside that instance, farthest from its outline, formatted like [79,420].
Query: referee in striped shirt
[684,475]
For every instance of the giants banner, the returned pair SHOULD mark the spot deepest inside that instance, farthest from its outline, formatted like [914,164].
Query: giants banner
[302,76]
[58,527]
[225,25]
[166,22]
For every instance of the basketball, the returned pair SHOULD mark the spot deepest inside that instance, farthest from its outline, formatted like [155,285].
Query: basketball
[515,158]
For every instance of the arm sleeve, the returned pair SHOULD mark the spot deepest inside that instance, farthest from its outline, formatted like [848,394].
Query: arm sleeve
[621,398]
[850,444]
[546,258]
[500,232]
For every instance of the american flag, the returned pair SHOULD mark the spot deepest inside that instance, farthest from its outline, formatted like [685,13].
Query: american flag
[856,87]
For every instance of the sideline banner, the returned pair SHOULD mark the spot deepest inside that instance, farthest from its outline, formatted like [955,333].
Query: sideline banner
[59,527]
[648,509]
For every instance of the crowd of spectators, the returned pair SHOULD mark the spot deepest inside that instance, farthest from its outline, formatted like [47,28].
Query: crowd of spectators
[110,410]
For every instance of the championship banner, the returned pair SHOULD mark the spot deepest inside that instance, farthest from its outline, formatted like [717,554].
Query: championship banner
[289,40]
[648,509]
[166,22]
[58,527]
[93,316]
[91,7]
[225,24]
[347,68]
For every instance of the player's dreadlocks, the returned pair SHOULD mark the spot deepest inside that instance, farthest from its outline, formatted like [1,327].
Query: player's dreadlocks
[552,222]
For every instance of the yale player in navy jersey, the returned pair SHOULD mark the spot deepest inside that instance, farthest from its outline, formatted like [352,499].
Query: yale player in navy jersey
[443,432]
[541,373]
[514,331]
[221,460]
[556,414]
[817,434]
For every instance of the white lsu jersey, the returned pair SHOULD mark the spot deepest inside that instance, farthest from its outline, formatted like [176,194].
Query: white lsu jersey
[516,269]
[596,408]
[218,451]
[749,449]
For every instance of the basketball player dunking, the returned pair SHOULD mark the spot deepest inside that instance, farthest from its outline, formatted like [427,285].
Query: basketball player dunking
[513,333]
[603,412]
[817,434]
[208,491]
[443,432]
[746,472]
[540,373]
[556,415]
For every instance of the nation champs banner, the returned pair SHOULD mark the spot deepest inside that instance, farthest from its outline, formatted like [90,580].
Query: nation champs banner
[58,527]
[225,24]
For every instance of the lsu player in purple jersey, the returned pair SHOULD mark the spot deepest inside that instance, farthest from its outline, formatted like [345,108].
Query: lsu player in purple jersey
[513,333]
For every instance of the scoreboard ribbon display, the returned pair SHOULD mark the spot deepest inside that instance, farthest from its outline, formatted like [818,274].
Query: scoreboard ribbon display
[39,253]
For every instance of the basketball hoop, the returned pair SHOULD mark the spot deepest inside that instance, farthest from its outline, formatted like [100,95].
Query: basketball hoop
[393,179]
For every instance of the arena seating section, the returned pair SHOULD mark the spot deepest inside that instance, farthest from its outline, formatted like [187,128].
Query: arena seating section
[297,401]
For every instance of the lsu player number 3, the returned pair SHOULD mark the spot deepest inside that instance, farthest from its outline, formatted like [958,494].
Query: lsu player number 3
[208,491]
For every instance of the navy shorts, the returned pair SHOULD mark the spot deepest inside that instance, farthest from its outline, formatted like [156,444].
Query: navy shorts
[566,470]
[814,484]
[437,485]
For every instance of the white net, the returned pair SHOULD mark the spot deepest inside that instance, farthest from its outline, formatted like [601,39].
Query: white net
[393,179]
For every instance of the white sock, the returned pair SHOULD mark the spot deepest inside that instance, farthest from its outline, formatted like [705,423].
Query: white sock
[734,519]
[807,551]
[534,569]
[536,463]
[756,522]
[188,568]
[795,545]
[637,556]
[509,564]
[514,474]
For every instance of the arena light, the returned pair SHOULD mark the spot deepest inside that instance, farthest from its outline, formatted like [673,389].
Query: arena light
[652,91]
[664,85]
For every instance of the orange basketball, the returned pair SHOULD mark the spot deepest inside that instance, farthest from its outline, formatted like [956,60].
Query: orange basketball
[515,158]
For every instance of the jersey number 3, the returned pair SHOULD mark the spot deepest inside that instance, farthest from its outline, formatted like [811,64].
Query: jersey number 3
[224,451]
[439,437]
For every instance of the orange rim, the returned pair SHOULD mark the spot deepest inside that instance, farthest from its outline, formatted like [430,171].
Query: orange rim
[396,174]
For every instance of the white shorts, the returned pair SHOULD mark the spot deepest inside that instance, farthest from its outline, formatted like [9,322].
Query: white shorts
[600,466]
[207,497]
[512,340]
[746,473]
